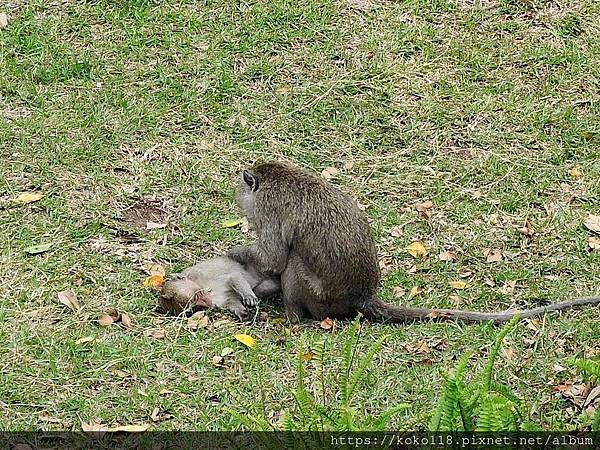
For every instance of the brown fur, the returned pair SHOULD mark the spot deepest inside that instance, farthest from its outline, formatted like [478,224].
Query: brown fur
[319,241]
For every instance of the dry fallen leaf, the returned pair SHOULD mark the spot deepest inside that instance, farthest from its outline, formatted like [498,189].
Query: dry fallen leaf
[308,356]
[419,347]
[226,351]
[48,419]
[153,269]
[575,173]
[508,353]
[416,290]
[593,223]
[508,287]
[493,219]
[129,428]
[245,339]
[220,323]
[557,368]
[422,207]
[329,172]
[40,248]
[447,256]
[155,225]
[349,165]
[230,223]
[492,255]
[385,264]
[3,20]
[156,333]
[327,323]
[593,395]
[197,320]
[396,231]
[398,291]
[95,427]
[154,281]
[69,299]
[458,284]
[29,197]
[105,320]
[155,415]
[594,243]
[416,249]
[362,207]
[575,391]
[217,360]
[456,300]
[527,230]
[126,320]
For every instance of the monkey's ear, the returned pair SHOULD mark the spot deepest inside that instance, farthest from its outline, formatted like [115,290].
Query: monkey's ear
[251,180]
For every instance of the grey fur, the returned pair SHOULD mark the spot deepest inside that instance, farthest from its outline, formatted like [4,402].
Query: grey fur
[319,241]
[219,282]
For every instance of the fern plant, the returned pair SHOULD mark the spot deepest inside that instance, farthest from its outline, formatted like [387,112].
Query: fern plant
[483,404]
[591,370]
[320,410]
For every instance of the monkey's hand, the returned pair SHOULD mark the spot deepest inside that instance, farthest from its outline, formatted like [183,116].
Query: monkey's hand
[250,300]
[239,253]
[239,310]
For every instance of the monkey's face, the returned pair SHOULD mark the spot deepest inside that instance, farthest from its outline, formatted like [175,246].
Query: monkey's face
[246,196]
[180,294]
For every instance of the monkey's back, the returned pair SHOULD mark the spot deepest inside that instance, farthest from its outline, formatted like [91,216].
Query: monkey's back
[323,226]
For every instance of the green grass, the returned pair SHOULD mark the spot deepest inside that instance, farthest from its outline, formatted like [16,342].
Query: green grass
[482,107]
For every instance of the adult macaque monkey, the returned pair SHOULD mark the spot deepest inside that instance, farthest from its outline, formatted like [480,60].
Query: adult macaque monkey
[320,242]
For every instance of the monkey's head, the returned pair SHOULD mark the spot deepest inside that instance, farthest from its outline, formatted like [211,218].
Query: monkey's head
[179,294]
[264,175]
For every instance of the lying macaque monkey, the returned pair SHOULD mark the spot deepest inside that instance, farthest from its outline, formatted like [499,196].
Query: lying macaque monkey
[219,282]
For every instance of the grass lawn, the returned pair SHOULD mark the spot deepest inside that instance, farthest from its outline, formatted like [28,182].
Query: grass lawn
[129,111]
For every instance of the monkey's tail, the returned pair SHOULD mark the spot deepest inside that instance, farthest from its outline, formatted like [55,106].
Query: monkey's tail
[379,311]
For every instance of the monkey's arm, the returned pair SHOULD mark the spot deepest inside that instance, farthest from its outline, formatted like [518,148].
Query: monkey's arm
[239,285]
[269,255]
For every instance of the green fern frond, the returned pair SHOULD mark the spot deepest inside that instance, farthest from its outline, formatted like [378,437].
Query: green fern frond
[383,420]
[505,392]
[345,422]
[496,413]
[446,412]
[461,365]
[359,374]
[318,349]
[487,371]
[288,422]
[449,404]
[528,425]
[588,367]
[348,358]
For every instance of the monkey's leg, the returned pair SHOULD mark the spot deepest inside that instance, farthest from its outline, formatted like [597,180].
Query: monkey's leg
[292,290]
[243,289]
[267,288]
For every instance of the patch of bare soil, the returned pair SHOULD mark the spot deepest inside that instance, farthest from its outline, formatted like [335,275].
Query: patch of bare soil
[145,214]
